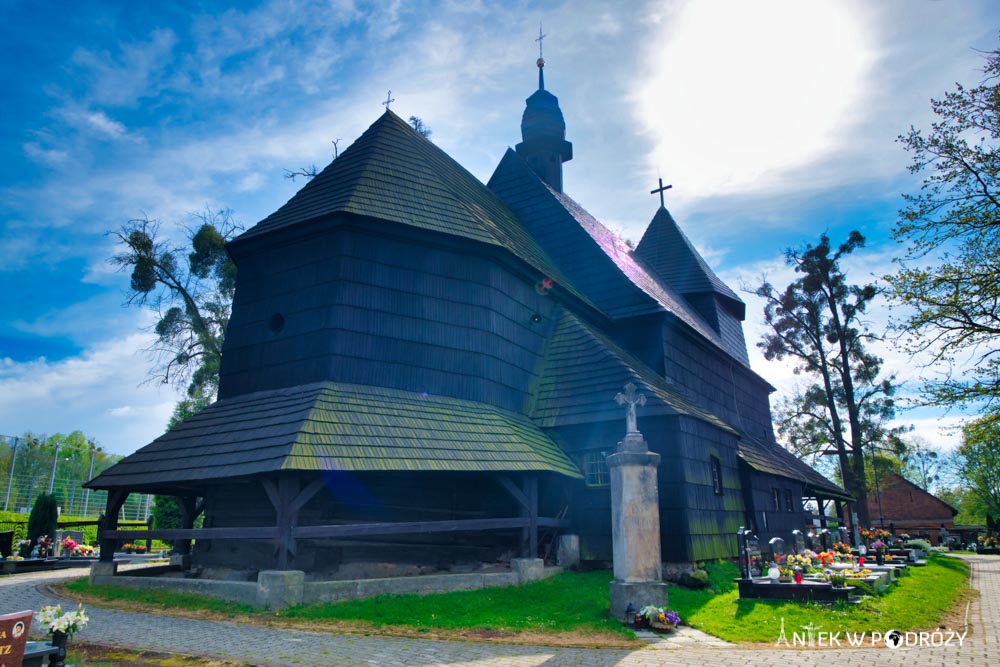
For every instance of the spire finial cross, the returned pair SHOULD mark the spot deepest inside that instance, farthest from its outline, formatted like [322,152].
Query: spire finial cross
[539,40]
[663,188]
[389,100]
[630,399]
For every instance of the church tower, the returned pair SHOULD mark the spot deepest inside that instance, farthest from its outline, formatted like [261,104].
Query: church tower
[543,134]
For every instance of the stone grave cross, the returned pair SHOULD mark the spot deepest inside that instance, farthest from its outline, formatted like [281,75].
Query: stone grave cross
[635,517]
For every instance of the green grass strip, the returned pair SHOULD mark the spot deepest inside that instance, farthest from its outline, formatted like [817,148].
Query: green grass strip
[915,602]
[578,602]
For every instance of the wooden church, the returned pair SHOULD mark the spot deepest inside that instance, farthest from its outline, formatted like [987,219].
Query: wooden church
[420,372]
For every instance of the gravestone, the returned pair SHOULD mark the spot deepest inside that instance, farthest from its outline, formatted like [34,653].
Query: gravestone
[798,541]
[635,517]
[845,534]
[741,546]
[777,549]
[825,540]
[13,637]
[814,542]
[755,562]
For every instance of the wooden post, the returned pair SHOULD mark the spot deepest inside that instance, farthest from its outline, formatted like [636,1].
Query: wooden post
[531,490]
[116,498]
[190,509]
[287,499]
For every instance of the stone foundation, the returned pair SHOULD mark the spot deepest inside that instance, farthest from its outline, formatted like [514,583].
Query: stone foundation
[277,589]
[638,595]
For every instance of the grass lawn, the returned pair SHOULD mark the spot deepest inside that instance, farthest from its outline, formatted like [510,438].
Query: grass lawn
[571,609]
[921,600]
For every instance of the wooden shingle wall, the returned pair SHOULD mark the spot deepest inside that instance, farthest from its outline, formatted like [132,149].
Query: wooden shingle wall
[389,312]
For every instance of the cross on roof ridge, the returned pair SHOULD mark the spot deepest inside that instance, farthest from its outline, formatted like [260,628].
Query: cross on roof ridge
[661,190]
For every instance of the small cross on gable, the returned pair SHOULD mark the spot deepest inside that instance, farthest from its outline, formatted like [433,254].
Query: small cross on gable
[389,100]
[663,188]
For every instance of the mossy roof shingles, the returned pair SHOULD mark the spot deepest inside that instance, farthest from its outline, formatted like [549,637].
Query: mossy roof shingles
[392,173]
[595,259]
[584,369]
[329,426]
[772,458]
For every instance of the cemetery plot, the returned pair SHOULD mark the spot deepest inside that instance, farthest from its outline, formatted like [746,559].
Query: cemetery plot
[818,576]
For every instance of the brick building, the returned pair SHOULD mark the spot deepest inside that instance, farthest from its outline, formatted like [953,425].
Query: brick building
[906,508]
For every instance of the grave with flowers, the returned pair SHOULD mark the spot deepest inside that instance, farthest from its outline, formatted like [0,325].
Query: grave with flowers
[805,576]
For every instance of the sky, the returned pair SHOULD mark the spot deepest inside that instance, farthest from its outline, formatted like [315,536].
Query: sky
[775,121]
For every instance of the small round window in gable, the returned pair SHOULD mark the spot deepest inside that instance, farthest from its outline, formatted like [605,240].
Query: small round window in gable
[276,323]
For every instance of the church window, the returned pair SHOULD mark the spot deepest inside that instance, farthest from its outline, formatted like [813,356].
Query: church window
[716,476]
[595,468]
[776,497]
[788,500]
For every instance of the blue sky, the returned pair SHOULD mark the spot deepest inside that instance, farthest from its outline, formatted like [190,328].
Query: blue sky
[774,121]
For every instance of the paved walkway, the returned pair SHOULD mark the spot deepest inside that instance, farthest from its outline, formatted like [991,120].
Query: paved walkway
[273,648]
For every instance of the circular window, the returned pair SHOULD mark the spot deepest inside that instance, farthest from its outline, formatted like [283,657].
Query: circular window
[276,323]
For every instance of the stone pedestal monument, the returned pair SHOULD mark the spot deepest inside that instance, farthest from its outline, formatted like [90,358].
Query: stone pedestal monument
[635,517]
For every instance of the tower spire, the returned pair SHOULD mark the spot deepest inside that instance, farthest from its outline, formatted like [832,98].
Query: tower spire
[541,61]
[543,130]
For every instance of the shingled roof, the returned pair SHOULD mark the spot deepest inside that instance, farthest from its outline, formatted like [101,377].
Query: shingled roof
[329,426]
[772,458]
[393,173]
[666,249]
[584,368]
[598,263]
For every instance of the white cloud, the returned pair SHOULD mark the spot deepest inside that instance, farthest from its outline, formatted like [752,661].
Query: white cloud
[735,99]
[43,155]
[48,397]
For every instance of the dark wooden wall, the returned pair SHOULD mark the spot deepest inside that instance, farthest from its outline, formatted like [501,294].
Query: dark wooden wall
[695,523]
[763,518]
[351,498]
[385,311]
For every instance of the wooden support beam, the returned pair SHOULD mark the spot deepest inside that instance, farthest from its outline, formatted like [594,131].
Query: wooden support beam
[306,494]
[108,542]
[402,528]
[288,498]
[344,530]
[531,483]
[189,514]
[234,533]
[516,493]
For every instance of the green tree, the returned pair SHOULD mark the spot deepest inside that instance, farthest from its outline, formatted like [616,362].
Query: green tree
[971,508]
[816,322]
[978,461]
[44,517]
[191,289]
[949,281]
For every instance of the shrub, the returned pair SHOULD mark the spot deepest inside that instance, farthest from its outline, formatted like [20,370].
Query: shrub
[695,579]
[44,516]
[923,545]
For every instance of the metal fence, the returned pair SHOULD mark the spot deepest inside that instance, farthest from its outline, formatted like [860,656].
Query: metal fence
[29,468]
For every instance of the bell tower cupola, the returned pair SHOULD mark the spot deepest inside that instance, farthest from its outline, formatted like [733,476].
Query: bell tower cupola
[543,131]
